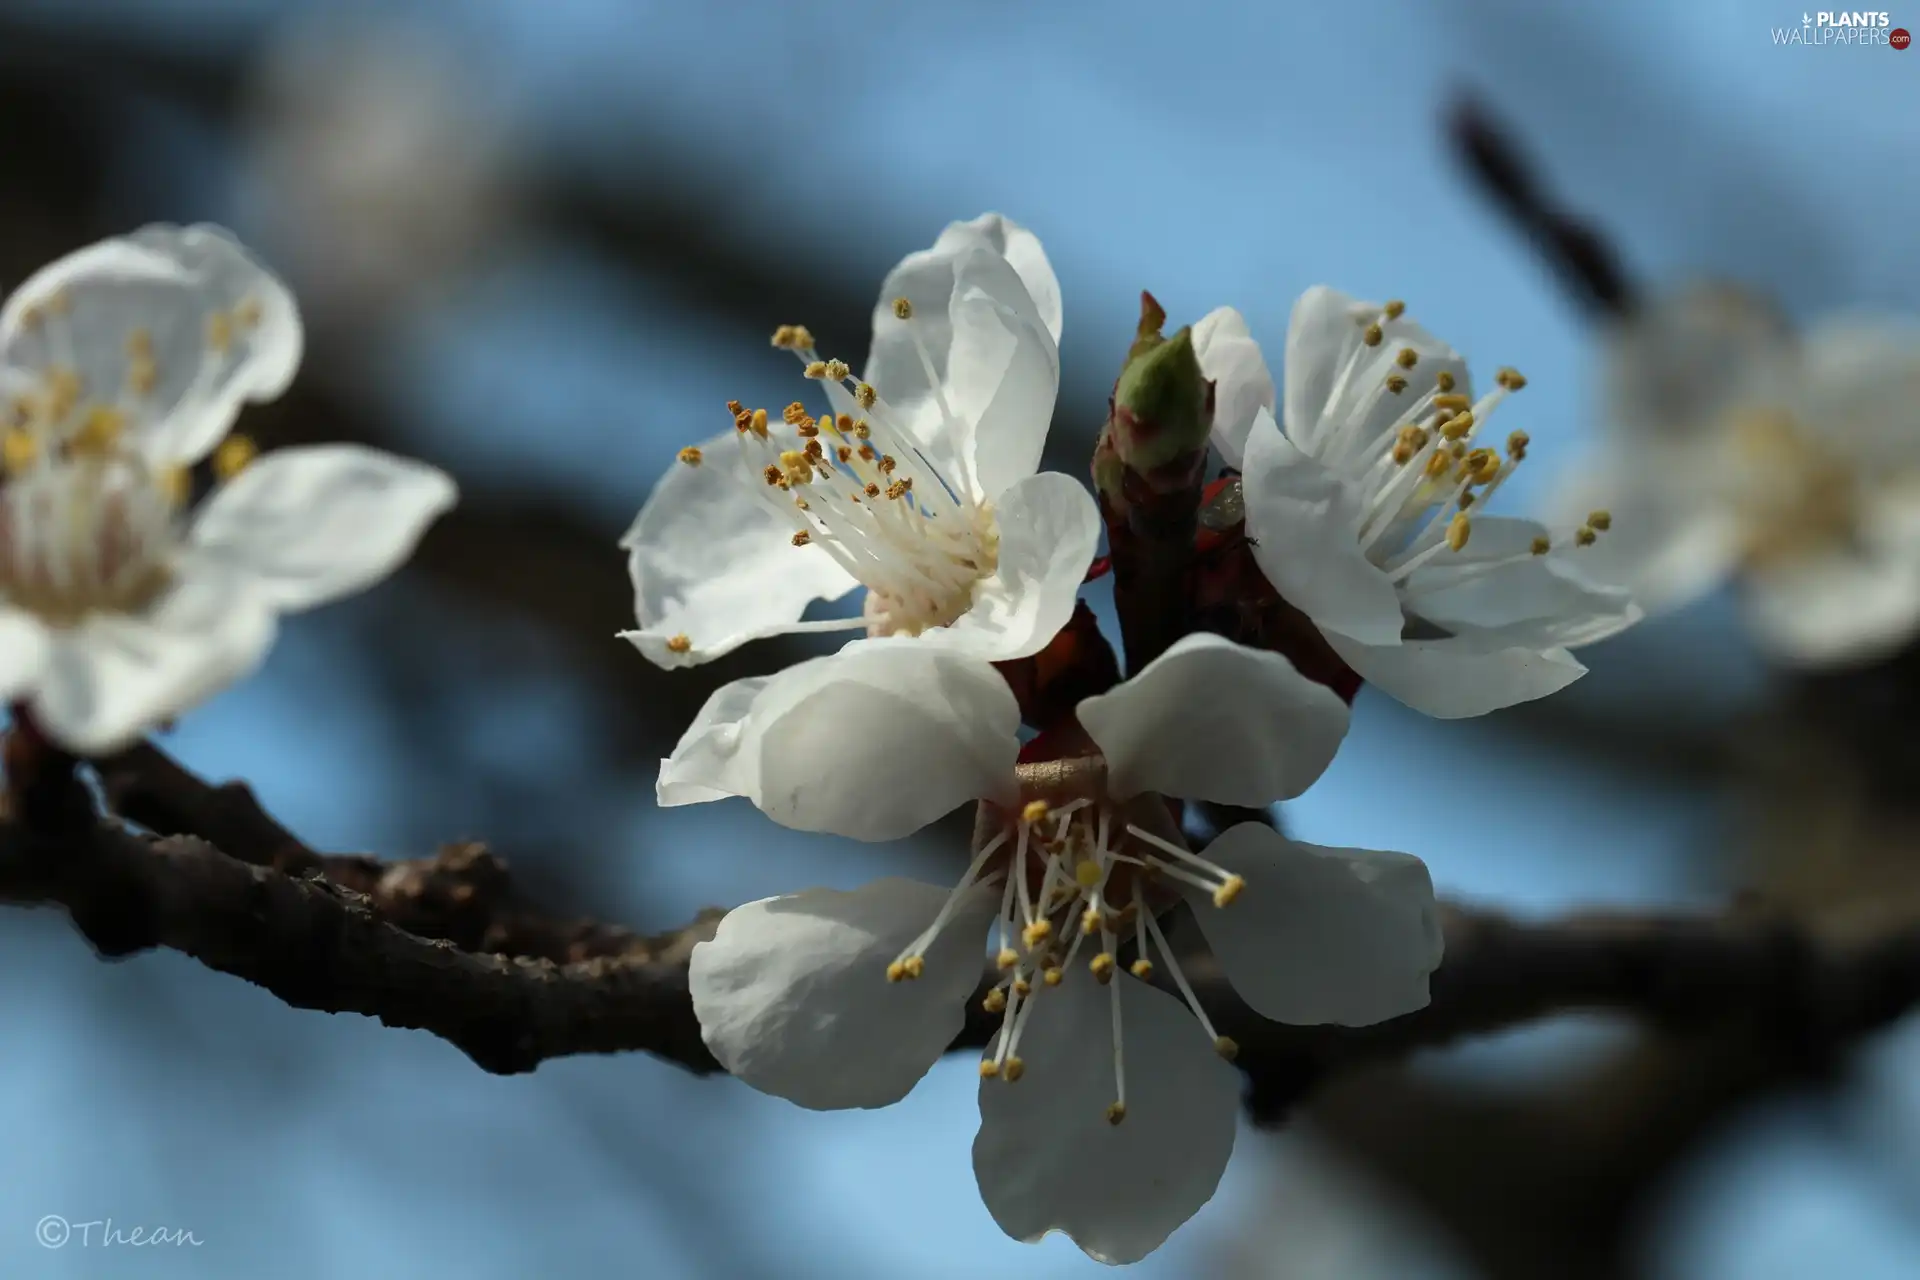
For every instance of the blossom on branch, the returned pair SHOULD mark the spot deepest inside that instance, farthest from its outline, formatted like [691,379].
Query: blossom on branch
[1789,463]
[1107,1106]
[122,602]
[917,481]
[1364,509]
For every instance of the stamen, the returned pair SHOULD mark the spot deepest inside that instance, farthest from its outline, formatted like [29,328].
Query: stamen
[1222,1045]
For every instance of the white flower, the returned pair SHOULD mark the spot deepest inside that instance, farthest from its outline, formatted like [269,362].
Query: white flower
[1107,1108]
[1790,464]
[918,483]
[1365,510]
[121,365]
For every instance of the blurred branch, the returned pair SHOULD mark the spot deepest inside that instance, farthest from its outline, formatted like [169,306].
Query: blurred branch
[1585,262]
[444,946]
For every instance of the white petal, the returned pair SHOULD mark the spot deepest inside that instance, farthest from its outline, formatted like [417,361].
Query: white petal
[1242,386]
[170,282]
[1049,527]
[1305,521]
[1003,377]
[1333,380]
[1671,542]
[1534,601]
[711,561]
[1459,676]
[313,523]
[1047,1158]
[793,998]
[873,742]
[1213,720]
[1824,610]
[24,649]
[1340,936]
[113,677]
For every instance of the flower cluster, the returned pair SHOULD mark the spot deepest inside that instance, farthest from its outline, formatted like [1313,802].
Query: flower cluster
[123,599]
[1789,462]
[978,678]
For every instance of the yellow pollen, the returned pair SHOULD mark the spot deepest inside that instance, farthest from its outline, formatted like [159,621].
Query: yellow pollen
[815,451]
[843,423]
[1402,454]
[1036,811]
[64,389]
[20,449]
[1517,445]
[861,431]
[1457,427]
[802,504]
[233,455]
[792,458]
[806,428]
[802,538]
[175,483]
[896,972]
[1510,379]
[682,643]
[1396,384]
[1022,988]
[1052,976]
[1036,933]
[1444,380]
[100,432]
[1007,958]
[913,967]
[902,309]
[1090,919]
[1407,358]
[1394,309]
[1541,546]
[1466,500]
[1372,335]
[1015,1069]
[988,1067]
[1459,529]
[1226,1047]
[818,369]
[838,370]
[758,423]
[996,1001]
[866,395]
[1116,1112]
[142,375]
[247,312]
[1102,967]
[898,489]
[873,491]
[1141,968]
[691,455]
[772,474]
[1455,402]
[1583,536]
[843,452]
[887,464]
[1227,892]
[219,332]
[1087,873]
[1601,520]
[1439,464]
[140,344]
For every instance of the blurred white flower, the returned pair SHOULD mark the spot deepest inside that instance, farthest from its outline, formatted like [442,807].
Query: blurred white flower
[1107,1109]
[1364,510]
[1736,450]
[121,365]
[918,483]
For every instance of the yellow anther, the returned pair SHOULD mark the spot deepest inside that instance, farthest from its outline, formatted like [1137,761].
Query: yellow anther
[1444,380]
[1036,933]
[1439,464]
[691,455]
[1510,379]
[1583,536]
[1394,309]
[1141,968]
[100,432]
[140,344]
[988,1067]
[1226,1047]
[815,451]
[896,972]
[1116,1112]
[866,395]
[902,309]
[873,490]
[898,489]
[1234,885]
[1459,529]
[233,455]
[838,370]
[1402,454]
[247,312]
[21,447]
[1022,988]
[758,423]
[843,423]
[1517,445]
[682,643]
[772,474]
[802,504]
[843,453]
[1035,811]
[1466,500]
[1007,958]
[1014,1069]
[913,967]
[817,369]
[1454,402]
[1396,384]
[1407,358]
[1087,874]
[806,428]
[142,375]
[887,464]
[1090,921]
[1457,427]
[1102,966]
[64,389]
[1541,546]
[996,1001]
[791,459]
[1052,976]
[861,431]
[176,483]
[1372,335]
[801,538]
[792,337]
[1601,520]
[219,332]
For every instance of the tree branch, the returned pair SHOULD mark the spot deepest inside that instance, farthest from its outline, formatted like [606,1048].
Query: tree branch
[445,945]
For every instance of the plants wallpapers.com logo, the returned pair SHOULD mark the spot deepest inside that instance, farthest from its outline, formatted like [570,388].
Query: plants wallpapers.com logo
[1844,28]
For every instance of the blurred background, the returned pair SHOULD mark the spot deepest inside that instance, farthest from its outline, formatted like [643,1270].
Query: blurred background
[541,244]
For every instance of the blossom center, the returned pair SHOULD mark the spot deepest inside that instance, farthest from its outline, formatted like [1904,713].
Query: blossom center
[1078,872]
[1792,497]
[82,535]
